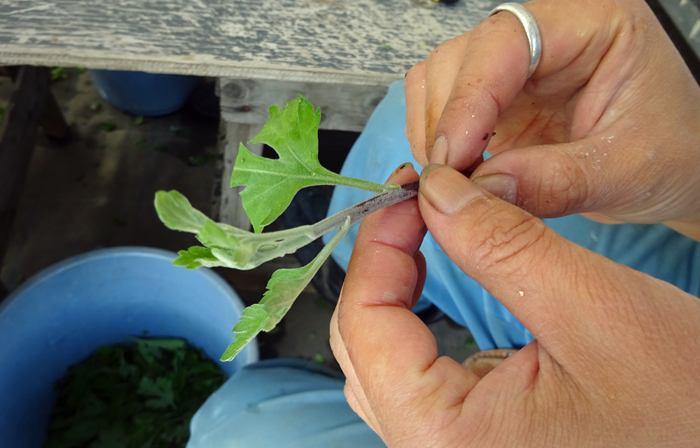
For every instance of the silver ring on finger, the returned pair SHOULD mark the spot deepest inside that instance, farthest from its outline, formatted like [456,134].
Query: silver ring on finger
[531,29]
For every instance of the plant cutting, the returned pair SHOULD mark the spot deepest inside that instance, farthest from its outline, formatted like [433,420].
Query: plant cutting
[270,186]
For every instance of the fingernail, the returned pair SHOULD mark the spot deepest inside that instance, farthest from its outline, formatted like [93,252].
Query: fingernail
[502,186]
[447,190]
[401,167]
[438,156]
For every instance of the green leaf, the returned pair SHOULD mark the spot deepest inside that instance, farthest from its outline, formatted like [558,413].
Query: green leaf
[197,159]
[58,73]
[226,245]
[282,290]
[195,257]
[161,390]
[272,183]
[168,344]
[138,121]
[177,213]
[111,437]
[108,126]
[253,320]
[177,130]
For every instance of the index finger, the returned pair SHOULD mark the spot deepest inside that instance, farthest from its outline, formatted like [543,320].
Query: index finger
[495,65]
[393,354]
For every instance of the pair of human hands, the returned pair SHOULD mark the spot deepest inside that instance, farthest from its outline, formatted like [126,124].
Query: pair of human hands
[606,127]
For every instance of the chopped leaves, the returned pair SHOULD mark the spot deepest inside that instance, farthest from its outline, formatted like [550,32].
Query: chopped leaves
[139,395]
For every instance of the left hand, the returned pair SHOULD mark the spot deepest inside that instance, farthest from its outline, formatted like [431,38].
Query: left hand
[607,125]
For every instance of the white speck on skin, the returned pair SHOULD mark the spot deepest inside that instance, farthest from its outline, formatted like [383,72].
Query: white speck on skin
[467,132]
[522,293]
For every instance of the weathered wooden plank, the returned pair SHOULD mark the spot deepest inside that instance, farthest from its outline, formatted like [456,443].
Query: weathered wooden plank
[366,41]
[232,211]
[344,107]
[17,140]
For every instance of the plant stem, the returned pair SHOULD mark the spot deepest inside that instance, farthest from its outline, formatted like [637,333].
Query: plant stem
[371,205]
[374,187]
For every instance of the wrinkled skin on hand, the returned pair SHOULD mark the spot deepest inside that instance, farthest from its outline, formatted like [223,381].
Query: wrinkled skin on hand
[607,124]
[614,362]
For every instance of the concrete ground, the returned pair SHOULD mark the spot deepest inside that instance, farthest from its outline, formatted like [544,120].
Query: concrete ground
[96,190]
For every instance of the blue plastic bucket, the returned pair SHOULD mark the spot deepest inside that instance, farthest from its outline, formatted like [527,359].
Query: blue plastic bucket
[64,313]
[140,93]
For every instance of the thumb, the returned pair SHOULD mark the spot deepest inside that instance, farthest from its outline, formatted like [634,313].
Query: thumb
[561,292]
[548,182]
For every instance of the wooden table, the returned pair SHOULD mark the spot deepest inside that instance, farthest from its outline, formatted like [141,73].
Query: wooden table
[340,54]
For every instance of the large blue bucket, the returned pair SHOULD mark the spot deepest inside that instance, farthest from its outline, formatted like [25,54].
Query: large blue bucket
[64,313]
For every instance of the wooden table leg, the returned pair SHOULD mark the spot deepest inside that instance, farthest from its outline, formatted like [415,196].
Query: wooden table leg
[17,141]
[52,121]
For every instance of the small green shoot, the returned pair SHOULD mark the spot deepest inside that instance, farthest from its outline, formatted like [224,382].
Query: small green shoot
[108,126]
[58,73]
[177,130]
[138,121]
[200,159]
[95,106]
[469,343]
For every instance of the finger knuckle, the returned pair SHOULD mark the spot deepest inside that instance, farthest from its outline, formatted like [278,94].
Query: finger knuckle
[509,241]
[416,73]
[563,190]
[445,50]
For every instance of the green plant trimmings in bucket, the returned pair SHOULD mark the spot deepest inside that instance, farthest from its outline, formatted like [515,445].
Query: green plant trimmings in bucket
[137,395]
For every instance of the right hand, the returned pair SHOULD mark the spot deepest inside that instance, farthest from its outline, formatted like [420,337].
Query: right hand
[609,123]
[614,362]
